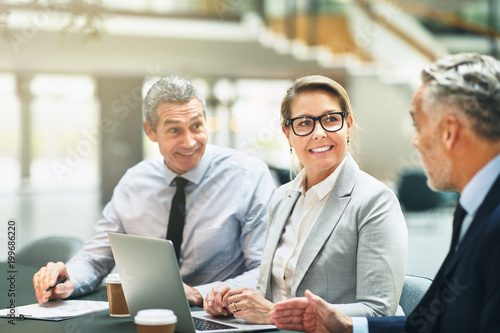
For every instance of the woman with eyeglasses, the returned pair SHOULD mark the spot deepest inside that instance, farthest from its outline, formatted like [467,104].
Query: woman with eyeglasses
[334,229]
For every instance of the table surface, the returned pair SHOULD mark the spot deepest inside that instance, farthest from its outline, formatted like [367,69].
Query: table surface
[25,294]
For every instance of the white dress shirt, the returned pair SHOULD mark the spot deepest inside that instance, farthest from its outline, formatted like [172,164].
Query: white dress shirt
[475,191]
[227,200]
[305,213]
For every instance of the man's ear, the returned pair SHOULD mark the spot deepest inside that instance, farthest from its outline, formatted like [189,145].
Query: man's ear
[286,131]
[451,131]
[149,131]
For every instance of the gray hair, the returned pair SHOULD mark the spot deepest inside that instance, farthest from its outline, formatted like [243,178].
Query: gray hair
[470,83]
[171,89]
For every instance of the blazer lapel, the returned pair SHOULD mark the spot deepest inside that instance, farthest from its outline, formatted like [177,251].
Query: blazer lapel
[327,220]
[273,238]
[490,202]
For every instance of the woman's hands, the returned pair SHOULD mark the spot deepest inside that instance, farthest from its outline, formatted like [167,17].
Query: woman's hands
[246,303]
[212,304]
[242,303]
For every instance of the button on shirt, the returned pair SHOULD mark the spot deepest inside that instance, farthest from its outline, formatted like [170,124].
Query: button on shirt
[227,200]
[305,213]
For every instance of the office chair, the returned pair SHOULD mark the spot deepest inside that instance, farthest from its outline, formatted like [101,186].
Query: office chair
[40,252]
[414,288]
[282,175]
[414,194]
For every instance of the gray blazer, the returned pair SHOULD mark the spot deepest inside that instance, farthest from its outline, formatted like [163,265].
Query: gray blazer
[355,255]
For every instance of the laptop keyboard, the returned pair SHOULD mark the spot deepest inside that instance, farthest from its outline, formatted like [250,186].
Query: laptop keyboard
[201,324]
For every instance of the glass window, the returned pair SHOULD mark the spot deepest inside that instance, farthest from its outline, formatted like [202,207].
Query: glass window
[65,136]
[10,169]
[256,120]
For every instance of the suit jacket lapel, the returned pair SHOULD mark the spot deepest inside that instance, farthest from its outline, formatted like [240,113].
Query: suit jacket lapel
[489,203]
[327,220]
[273,238]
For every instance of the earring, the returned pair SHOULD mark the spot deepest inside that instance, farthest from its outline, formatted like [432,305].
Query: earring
[291,150]
[348,141]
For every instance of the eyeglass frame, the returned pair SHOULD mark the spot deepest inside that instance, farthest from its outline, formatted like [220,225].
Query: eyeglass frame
[342,114]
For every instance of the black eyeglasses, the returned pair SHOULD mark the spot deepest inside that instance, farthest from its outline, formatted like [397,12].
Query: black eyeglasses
[331,122]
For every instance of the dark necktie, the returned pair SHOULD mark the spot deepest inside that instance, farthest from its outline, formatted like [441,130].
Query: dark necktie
[177,213]
[458,218]
[435,290]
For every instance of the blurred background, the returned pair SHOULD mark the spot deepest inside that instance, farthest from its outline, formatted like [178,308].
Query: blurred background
[73,74]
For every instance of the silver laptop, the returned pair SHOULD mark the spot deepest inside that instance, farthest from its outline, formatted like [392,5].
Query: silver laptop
[151,280]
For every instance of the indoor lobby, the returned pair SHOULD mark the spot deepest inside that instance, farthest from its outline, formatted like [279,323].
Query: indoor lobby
[73,75]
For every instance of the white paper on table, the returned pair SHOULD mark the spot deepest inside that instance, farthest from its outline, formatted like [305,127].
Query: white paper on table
[57,310]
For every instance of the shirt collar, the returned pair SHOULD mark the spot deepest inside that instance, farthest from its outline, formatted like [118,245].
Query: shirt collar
[194,175]
[478,187]
[321,189]
[296,184]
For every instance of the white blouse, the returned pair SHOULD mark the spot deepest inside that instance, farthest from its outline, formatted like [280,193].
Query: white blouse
[302,219]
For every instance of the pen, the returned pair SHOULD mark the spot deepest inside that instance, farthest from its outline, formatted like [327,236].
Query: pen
[55,284]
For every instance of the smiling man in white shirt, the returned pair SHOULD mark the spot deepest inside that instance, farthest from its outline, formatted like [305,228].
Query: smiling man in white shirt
[226,204]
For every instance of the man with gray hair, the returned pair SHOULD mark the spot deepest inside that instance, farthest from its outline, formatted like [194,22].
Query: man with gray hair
[224,197]
[456,113]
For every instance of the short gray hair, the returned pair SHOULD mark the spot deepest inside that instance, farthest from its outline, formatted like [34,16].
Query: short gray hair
[470,83]
[171,89]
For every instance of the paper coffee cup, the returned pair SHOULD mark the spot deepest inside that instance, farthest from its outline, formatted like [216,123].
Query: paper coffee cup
[116,298]
[155,321]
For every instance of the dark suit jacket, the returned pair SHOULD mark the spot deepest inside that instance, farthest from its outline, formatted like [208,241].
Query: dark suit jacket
[465,294]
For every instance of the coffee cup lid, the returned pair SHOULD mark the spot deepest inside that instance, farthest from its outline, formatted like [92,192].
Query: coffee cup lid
[113,278]
[155,317]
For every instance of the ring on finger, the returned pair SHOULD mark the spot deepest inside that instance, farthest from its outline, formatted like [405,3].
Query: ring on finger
[234,306]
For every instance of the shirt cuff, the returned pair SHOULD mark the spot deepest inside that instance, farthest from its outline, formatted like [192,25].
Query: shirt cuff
[359,325]
[204,289]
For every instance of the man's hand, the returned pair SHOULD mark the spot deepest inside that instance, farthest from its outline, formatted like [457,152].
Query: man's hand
[193,296]
[46,277]
[246,303]
[212,304]
[310,314]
